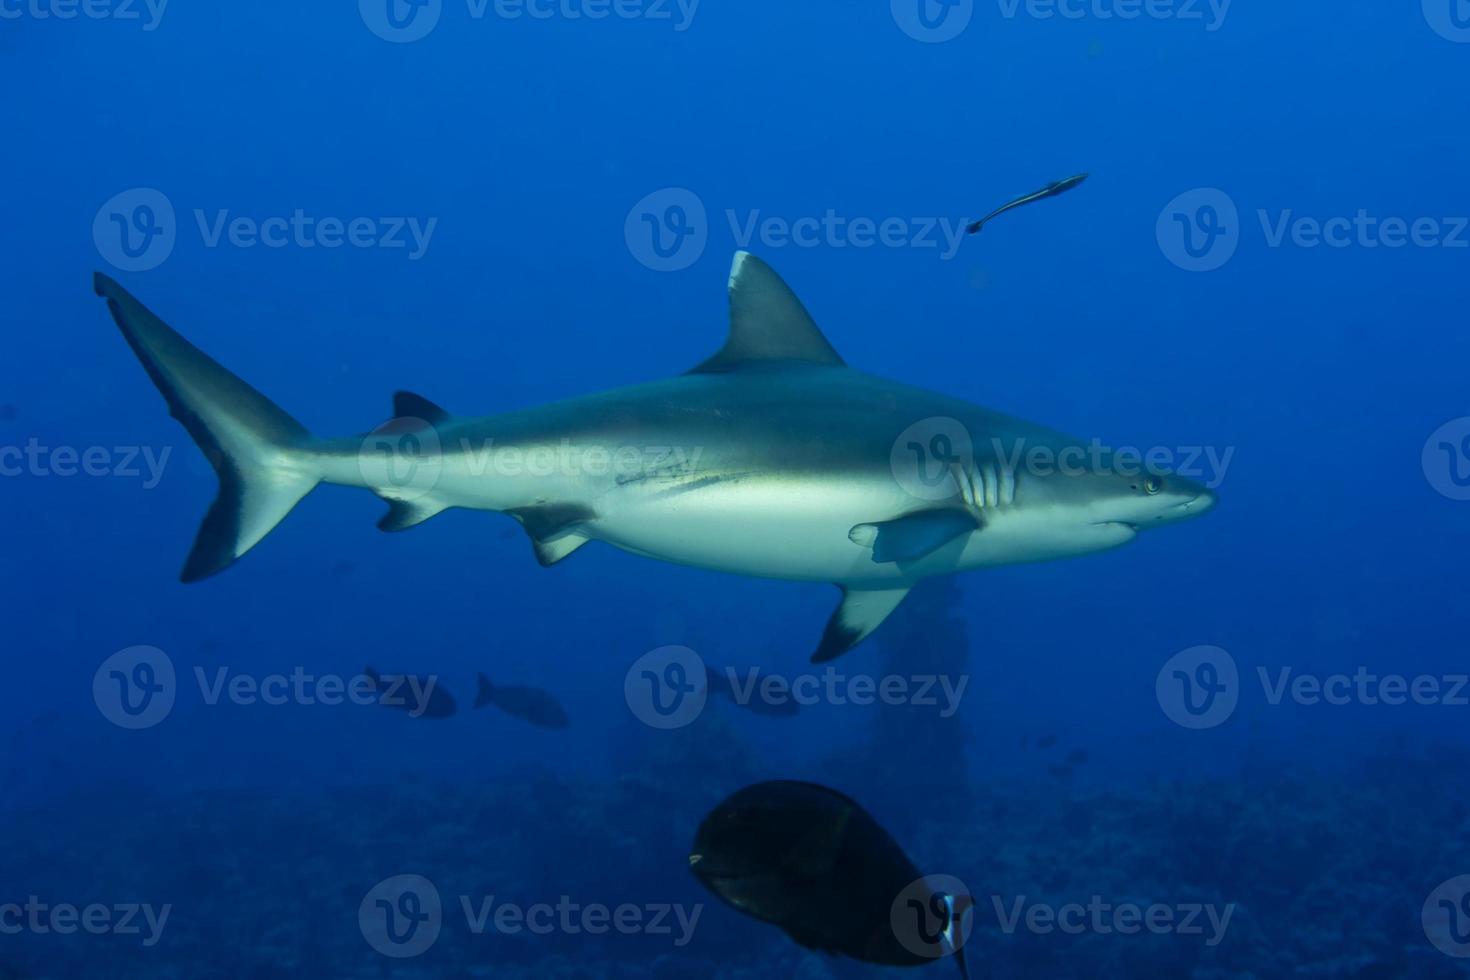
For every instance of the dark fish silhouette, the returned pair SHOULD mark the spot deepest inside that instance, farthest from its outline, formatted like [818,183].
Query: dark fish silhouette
[1050,190]
[772,702]
[811,861]
[1077,757]
[526,703]
[420,697]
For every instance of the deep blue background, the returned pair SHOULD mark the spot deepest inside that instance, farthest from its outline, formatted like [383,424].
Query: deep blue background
[1325,370]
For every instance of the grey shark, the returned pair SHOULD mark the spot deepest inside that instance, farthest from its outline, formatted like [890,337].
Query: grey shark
[772,458]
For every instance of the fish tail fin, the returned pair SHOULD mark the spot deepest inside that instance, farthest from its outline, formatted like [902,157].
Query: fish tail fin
[484,691]
[976,226]
[261,455]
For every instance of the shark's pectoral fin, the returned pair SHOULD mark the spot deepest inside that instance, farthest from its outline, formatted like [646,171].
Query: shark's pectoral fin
[767,323]
[404,514]
[407,405]
[914,535]
[555,529]
[860,612]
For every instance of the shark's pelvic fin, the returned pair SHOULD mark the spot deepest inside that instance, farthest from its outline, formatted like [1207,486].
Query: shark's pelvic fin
[767,322]
[555,530]
[407,405]
[914,535]
[860,612]
[261,455]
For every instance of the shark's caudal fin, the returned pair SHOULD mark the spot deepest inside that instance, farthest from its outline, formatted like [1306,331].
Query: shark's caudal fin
[260,453]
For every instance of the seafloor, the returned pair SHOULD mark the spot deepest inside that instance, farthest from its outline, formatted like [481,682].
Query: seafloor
[1327,876]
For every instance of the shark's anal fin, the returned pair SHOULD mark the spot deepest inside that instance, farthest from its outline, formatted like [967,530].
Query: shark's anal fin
[404,514]
[860,612]
[914,535]
[767,323]
[554,529]
[407,405]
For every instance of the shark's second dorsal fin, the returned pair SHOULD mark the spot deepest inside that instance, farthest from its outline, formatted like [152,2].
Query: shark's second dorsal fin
[767,322]
[406,404]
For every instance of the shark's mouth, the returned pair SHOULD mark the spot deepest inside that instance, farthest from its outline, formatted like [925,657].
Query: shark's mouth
[1131,527]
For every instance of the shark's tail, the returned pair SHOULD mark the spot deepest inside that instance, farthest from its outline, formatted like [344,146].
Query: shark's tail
[484,692]
[261,454]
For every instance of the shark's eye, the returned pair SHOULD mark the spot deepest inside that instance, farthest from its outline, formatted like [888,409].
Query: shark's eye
[1152,485]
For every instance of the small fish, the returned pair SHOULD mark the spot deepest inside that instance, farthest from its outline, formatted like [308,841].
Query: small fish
[812,862]
[1077,757]
[1050,190]
[768,696]
[1046,741]
[420,697]
[526,703]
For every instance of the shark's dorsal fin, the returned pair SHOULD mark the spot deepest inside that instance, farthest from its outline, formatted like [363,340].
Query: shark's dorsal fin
[767,322]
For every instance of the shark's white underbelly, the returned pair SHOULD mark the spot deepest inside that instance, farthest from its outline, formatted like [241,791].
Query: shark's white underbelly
[800,530]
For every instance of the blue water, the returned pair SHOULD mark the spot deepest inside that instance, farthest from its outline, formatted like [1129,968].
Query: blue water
[579,185]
